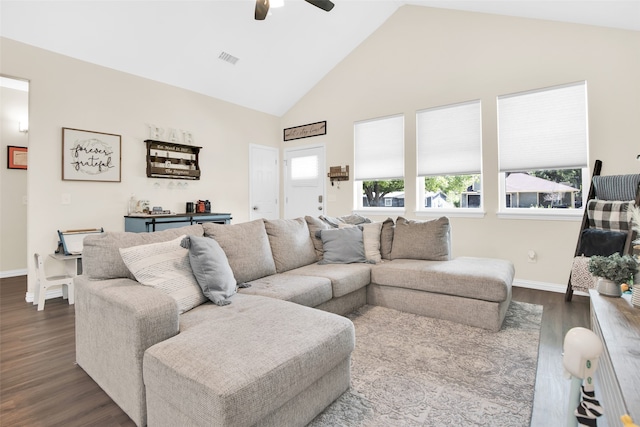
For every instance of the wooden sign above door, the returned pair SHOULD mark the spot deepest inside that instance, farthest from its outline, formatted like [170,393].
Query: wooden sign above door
[305,131]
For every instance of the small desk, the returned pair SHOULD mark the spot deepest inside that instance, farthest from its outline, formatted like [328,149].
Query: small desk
[66,258]
[148,223]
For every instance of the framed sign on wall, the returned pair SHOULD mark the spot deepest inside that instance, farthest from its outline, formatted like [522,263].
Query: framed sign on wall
[90,156]
[16,157]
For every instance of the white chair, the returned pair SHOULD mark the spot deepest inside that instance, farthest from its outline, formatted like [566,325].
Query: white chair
[43,283]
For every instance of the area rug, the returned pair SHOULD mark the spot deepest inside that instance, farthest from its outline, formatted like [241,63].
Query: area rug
[410,370]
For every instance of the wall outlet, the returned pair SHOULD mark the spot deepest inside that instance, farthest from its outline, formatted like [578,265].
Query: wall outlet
[65,199]
[532,256]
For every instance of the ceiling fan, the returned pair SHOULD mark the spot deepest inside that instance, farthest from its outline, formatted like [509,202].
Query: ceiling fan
[262,7]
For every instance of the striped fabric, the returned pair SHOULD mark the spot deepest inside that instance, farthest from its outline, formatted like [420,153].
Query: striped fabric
[616,187]
[608,215]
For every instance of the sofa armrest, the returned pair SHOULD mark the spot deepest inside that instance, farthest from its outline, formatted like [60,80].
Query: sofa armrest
[116,321]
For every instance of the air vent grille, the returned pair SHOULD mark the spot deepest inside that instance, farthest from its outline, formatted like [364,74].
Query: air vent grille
[228,58]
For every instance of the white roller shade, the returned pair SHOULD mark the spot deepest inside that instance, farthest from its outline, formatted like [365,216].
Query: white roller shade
[379,149]
[543,129]
[449,140]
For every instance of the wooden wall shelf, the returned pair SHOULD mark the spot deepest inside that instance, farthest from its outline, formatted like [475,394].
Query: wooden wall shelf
[339,173]
[171,160]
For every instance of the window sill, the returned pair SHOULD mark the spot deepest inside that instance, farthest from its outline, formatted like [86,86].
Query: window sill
[451,213]
[380,211]
[543,214]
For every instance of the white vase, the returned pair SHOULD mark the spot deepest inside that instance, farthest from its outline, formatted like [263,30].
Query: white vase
[608,288]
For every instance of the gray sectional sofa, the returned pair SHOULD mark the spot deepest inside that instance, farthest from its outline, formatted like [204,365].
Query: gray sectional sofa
[274,351]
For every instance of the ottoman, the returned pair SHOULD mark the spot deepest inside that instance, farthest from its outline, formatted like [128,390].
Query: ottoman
[257,361]
[468,290]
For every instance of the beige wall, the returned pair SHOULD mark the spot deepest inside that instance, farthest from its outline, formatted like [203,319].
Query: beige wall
[423,57]
[419,58]
[14,108]
[68,93]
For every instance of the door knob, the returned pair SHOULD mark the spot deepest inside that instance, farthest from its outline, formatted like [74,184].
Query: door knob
[319,208]
[255,208]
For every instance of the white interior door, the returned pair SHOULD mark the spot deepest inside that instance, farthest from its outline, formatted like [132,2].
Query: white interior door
[304,181]
[263,182]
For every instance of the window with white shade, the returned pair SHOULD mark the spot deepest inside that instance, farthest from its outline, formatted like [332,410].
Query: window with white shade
[379,162]
[449,156]
[543,148]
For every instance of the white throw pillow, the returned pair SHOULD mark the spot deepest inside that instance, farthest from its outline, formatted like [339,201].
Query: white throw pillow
[371,236]
[165,266]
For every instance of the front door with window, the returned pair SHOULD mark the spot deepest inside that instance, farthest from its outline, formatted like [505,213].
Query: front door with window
[304,181]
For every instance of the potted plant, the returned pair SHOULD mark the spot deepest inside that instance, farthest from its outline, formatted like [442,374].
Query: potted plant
[612,271]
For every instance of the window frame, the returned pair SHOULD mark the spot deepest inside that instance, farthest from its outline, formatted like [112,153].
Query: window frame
[420,209]
[358,192]
[555,214]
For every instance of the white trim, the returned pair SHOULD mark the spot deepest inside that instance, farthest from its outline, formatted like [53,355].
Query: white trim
[51,293]
[543,286]
[451,213]
[380,211]
[13,273]
[542,214]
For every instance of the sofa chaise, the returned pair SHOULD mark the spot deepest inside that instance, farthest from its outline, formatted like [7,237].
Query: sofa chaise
[277,351]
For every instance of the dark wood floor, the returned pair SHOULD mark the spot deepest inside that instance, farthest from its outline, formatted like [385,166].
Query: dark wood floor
[40,385]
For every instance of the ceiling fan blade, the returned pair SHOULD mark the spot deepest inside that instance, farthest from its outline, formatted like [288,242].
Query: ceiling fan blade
[325,5]
[262,8]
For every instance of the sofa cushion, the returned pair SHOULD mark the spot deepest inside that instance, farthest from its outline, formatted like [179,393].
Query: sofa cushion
[246,246]
[345,278]
[165,266]
[101,258]
[291,244]
[386,238]
[371,238]
[309,291]
[428,240]
[315,225]
[211,268]
[479,278]
[262,352]
[342,246]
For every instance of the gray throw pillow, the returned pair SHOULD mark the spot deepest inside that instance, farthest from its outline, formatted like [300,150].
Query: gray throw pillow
[211,268]
[342,246]
[428,240]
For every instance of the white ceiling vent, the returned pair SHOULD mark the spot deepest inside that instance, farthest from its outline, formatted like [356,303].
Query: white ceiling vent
[228,58]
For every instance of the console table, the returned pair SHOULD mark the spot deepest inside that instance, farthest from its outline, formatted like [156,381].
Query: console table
[617,324]
[149,223]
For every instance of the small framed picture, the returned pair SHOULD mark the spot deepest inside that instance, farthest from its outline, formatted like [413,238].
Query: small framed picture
[16,157]
[90,156]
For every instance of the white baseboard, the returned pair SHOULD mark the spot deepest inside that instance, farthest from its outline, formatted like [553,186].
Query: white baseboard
[13,273]
[51,293]
[544,286]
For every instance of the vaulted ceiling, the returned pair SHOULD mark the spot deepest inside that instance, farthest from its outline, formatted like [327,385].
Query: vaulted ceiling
[277,61]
